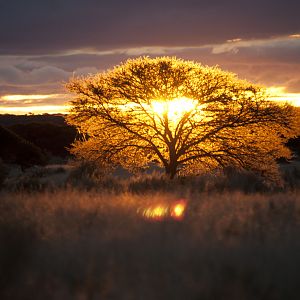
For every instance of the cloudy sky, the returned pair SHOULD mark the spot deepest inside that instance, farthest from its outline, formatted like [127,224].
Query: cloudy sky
[45,42]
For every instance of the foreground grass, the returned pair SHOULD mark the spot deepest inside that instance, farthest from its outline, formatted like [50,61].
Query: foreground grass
[72,244]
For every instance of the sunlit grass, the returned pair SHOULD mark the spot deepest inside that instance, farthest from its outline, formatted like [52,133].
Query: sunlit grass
[134,238]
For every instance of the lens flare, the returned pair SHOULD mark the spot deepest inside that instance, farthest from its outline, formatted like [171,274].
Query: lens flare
[157,213]
[164,211]
[178,209]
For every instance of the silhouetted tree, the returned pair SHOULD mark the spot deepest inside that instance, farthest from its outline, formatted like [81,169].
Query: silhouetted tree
[180,114]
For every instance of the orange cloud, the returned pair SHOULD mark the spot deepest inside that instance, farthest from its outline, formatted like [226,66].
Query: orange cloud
[44,109]
[279,94]
[27,97]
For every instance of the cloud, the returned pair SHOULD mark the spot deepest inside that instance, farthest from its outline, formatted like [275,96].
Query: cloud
[270,62]
[43,80]
[293,85]
[278,45]
[10,74]
[46,74]
[34,100]
[53,26]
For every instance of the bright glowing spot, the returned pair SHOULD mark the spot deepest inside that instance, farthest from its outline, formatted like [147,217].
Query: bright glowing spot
[295,36]
[157,213]
[164,211]
[275,90]
[159,107]
[178,209]
[175,108]
[27,97]
[279,94]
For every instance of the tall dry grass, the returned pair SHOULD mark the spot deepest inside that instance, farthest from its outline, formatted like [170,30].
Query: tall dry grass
[70,243]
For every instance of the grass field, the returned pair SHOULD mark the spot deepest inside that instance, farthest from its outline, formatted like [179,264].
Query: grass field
[91,241]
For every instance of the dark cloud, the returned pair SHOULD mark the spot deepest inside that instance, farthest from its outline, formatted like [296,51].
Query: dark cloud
[56,99]
[10,89]
[77,61]
[46,74]
[43,80]
[48,26]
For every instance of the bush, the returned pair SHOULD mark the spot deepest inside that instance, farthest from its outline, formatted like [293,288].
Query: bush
[52,138]
[3,172]
[89,175]
[16,150]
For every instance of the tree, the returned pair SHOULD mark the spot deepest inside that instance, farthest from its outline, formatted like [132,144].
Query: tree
[179,114]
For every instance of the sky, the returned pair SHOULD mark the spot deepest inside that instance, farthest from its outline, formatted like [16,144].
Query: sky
[45,42]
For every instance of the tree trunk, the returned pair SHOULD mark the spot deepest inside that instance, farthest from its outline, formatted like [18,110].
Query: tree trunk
[171,170]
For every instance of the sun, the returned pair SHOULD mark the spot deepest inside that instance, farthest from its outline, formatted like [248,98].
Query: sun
[174,109]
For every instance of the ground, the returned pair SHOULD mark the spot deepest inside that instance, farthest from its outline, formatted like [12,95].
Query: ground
[71,232]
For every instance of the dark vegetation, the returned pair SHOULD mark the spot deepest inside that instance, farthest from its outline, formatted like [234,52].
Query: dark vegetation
[47,135]
[52,138]
[18,150]
[34,139]
[8,120]
[294,145]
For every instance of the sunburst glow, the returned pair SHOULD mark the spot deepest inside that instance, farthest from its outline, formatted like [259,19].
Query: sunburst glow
[175,108]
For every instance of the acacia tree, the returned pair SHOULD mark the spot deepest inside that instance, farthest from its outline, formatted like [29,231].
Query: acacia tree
[179,114]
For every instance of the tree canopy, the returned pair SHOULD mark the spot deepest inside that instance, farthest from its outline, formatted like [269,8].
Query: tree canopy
[182,115]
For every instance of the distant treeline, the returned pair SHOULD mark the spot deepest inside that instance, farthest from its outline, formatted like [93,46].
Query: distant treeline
[34,139]
[8,120]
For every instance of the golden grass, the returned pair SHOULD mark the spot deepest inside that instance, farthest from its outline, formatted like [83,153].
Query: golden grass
[75,244]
